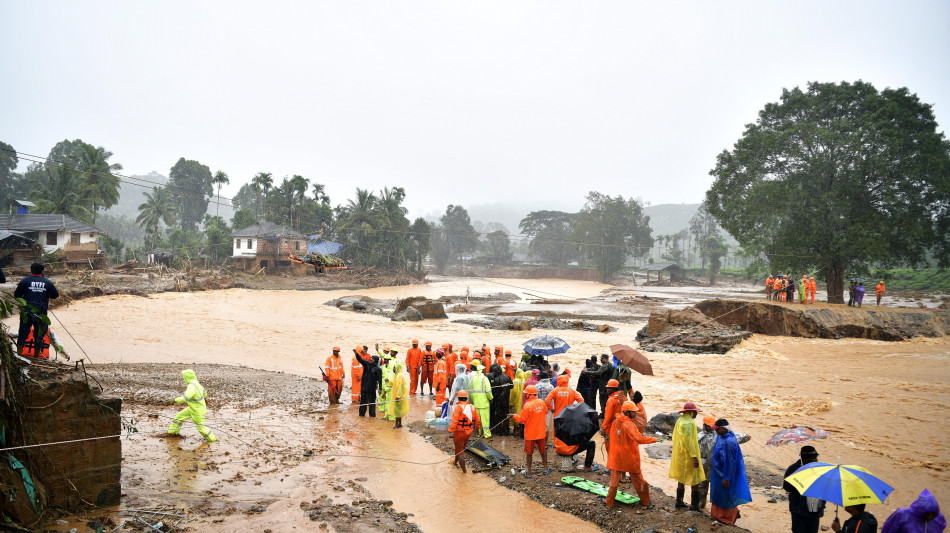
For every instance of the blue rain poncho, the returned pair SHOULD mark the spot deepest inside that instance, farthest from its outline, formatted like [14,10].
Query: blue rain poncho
[727,463]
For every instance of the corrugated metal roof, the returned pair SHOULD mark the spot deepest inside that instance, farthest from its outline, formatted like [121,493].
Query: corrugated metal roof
[268,229]
[45,223]
[660,266]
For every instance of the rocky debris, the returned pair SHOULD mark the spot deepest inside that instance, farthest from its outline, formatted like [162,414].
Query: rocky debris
[493,297]
[424,307]
[410,314]
[359,304]
[688,331]
[357,516]
[826,322]
[519,323]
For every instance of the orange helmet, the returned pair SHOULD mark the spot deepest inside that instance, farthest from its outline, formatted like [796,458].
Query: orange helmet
[358,348]
[415,341]
[507,352]
[531,389]
[336,348]
[428,343]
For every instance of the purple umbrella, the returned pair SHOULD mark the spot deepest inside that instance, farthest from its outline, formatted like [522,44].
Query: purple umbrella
[796,434]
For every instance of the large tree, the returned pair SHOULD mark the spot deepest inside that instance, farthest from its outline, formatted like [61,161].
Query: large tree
[58,189]
[551,234]
[159,207]
[419,243]
[836,178]
[459,234]
[610,230]
[219,179]
[12,185]
[191,184]
[703,226]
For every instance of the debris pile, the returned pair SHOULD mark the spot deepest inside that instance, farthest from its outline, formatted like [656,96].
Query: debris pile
[688,331]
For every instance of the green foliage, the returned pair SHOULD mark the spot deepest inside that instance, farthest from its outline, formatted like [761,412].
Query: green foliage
[217,239]
[612,229]
[913,280]
[112,247]
[101,186]
[185,243]
[59,190]
[159,207]
[499,248]
[243,218]
[375,228]
[843,176]
[248,198]
[219,179]
[459,234]
[12,185]
[714,248]
[191,183]
[419,243]
[703,226]
[551,234]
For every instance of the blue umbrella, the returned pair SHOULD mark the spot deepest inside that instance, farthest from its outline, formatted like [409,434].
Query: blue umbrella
[839,484]
[545,345]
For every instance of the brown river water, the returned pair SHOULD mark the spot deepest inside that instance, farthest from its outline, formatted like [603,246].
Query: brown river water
[887,404]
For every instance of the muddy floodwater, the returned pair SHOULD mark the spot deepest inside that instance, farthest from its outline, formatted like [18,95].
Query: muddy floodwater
[887,404]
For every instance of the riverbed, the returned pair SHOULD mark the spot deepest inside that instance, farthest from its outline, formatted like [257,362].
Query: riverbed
[885,403]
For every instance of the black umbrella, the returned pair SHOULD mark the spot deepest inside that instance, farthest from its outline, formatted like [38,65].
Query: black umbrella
[576,424]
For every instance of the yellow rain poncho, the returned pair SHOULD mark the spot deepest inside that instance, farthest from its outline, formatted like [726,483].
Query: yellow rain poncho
[400,391]
[685,449]
[514,397]
[197,408]
[386,405]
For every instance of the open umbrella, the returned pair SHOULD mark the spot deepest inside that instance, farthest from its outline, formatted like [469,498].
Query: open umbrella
[545,345]
[633,359]
[796,434]
[840,484]
[576,424]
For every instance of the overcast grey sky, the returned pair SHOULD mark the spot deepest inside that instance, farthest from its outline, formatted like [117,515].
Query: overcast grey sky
[458,102]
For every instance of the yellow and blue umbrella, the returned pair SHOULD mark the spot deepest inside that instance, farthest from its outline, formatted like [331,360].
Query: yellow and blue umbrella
[841,484]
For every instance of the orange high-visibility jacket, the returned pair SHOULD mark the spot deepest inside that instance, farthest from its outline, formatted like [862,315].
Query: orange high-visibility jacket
[465,418]
[334,367]
[413,358]
[612,409]
[356,369]
[625,441]
[532,415]
[562,396]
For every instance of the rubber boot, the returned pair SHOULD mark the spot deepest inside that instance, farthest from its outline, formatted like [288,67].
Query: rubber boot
[680,492]
[694,499]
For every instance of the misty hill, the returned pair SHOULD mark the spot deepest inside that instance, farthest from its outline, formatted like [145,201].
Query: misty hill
[666,219]
[131,196]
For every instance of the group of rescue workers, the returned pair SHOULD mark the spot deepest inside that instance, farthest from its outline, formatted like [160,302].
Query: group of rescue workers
[487,390]
[783,288]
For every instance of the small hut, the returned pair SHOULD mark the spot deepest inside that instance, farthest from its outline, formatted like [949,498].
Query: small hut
[676,273]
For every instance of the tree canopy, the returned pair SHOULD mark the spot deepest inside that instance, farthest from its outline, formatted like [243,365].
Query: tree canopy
[551,234]
[191,183]
[611,229]
[836,178]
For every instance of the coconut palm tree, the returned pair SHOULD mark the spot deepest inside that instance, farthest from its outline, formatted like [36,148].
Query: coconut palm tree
[298,190]
[59,190]
[262,183]
[219,179]
[159,207]
[101,186]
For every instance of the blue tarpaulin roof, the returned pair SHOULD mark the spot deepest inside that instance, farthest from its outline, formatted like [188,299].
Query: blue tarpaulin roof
[321,246]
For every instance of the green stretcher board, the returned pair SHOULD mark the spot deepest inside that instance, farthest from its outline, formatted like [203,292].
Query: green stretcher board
[598,489]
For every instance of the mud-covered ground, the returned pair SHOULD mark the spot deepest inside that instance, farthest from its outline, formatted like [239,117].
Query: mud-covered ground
[267,472]
[550,491]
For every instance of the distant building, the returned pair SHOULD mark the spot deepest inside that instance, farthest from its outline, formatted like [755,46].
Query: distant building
[674,271]
[78,241]
[267,245]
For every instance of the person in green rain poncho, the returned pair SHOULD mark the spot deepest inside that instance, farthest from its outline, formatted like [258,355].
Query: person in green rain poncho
[197,408]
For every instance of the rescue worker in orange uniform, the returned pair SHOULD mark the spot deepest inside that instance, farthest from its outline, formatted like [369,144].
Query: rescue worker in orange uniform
[769,287]
[465,419]
[499,357]
[486,360]
[464,357]
[451,359]
[440,377]
[428,369]
[511,366]
[615,399]
[562,395]
[335,375]
[879,291]
[534,417]
[356,378]
[624,455]
[413,363]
